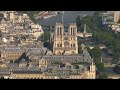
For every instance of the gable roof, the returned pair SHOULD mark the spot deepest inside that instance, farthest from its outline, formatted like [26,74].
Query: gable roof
[22,57]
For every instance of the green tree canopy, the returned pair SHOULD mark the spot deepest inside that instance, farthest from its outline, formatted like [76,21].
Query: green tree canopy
[96,52]
[44,37]
[99,65]
[79,49]
[78,21]
[103,76]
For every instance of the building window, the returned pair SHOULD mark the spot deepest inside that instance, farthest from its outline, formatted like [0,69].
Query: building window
[60,45]
[73,31]
[57,30]
[60,30]
[57,45]
[73,45]
[66,38]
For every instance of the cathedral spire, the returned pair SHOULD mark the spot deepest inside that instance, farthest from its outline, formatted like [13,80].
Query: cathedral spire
[84,28]
[101,59]
[92,62]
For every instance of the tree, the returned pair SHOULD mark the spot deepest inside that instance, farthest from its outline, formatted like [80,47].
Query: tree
[103,76]
[41,38]
[96,55]
[117,69]
[96,13]
[44,37]
[88,48]
[99,65]
[79,49]
[116,56]
[78,21]
[96,52]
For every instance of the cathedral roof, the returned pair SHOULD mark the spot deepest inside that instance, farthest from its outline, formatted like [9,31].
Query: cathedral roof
[66,58]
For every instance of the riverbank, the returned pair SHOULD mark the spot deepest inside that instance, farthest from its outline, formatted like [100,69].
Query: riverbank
[68,17]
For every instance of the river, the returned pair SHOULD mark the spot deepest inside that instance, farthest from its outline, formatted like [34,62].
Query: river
[68,17]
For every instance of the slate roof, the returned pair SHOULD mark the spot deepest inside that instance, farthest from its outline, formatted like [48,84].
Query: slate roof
[21,57]
[66,58]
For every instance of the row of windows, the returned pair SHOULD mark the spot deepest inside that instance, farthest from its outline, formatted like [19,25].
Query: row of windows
[49,77]
[72,38]
[29,78]
[34,77]
[28,75]
[59,45]
[10,57]
[72,45]
[65,57]
[73,31]
[59,30]
[75,77]
[12,54]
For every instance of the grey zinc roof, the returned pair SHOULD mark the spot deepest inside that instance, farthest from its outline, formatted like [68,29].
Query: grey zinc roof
[4,74]
[13,65]
[68,58]
[3,70]
[86,53]
[87,56]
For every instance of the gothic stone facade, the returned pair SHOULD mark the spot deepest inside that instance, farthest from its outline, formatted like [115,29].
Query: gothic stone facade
[65,42]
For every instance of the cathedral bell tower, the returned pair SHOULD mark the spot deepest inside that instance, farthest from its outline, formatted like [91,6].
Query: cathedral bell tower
[72,32]
[58,38]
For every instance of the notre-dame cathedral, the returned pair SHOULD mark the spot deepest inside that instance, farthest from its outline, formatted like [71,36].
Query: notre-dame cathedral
[65,41]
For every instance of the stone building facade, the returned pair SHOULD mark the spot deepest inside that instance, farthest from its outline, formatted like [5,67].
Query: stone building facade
[65,42]
[116,16]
